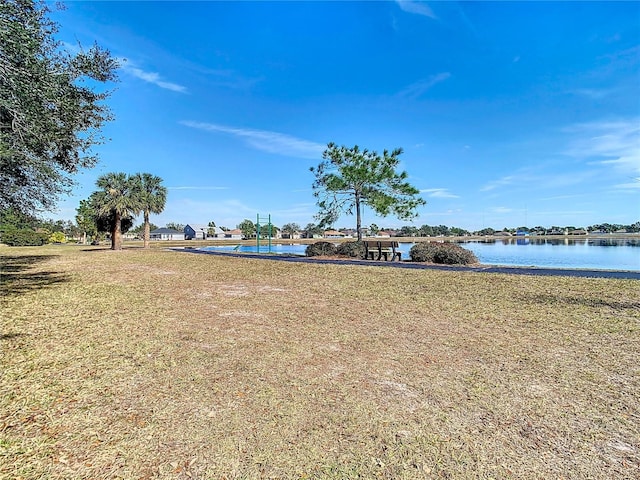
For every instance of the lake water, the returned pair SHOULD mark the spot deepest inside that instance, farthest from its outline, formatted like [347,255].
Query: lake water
[599,254]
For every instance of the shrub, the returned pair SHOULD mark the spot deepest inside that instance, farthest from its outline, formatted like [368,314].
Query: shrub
[57,237]
[24,237]
[351,249]
[442,253]
[320,248]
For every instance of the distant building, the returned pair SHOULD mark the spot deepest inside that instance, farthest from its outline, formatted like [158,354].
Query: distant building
[333,234]
[235,234]
[166,234]
[200,231]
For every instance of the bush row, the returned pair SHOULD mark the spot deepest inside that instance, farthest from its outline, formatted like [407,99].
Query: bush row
[320,248]
[442,253]
[23,237]
[432,252]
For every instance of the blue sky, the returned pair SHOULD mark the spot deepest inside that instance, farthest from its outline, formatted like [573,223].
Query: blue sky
[509,114]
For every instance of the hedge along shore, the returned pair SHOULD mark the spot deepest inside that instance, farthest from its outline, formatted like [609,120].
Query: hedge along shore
[157,364]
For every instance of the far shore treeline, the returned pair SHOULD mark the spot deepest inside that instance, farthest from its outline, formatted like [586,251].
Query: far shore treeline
[60,231]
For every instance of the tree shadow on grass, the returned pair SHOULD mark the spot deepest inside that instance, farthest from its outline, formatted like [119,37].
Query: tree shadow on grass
[10,336]
[16,279]
[579,300]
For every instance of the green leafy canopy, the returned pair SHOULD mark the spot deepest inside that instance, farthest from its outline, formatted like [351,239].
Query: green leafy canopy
[50,110]
[348,178]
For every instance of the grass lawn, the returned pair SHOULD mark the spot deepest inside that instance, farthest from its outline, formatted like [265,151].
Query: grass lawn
[159,364]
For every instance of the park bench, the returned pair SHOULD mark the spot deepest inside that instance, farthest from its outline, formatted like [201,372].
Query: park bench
[376,249]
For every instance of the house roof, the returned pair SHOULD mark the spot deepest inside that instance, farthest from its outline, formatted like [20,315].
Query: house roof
[198,227]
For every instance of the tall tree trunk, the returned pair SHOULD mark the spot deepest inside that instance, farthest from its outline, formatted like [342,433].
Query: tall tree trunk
[147,229]
[358,217]
[116,234]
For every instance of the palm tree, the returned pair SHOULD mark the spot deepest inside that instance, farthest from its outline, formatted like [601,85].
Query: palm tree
[118,199]
[152,197]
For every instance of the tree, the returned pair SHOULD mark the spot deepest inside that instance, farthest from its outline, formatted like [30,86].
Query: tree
[248,228]
[16,226]
[139,229]
[50,110]
[374,229]
[93,221]
[268,230]
[151,197]
[175,226]
[211,231]
[291,229]
[118,199]
[312,229]
[86,219]
[408,231]
[349,178]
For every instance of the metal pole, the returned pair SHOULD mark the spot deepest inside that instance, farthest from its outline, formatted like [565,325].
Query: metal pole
[258,233]
[270,232]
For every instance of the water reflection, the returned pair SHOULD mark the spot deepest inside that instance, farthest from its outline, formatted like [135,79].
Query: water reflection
[567,252]
[594,242]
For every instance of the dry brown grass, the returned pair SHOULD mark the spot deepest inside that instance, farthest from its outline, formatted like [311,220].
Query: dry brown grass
[159,364]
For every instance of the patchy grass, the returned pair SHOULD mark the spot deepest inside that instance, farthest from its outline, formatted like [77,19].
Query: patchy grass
[159,364]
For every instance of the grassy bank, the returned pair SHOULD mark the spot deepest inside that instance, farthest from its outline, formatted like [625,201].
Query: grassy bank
[158,364]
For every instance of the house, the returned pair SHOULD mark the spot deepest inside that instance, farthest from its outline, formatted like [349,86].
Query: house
[294,235]
[197,231]
[333,234]
[350,232]
[165,234]
[384,234]
[235,234]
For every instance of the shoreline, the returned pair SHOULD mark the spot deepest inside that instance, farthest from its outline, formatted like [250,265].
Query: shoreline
[481,268]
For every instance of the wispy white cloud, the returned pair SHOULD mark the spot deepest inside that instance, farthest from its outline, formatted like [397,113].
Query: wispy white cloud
[630,187]
[418,8]
[610,143]
[438,193]
[272,142]
[418,88]
[150,77]
[502,210]
[298,212]
[231,79]
[526,179]
[501,182]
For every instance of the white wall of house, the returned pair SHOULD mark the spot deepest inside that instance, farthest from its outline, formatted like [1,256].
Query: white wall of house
[167,236]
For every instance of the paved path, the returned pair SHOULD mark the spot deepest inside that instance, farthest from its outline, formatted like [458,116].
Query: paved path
[563,272]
